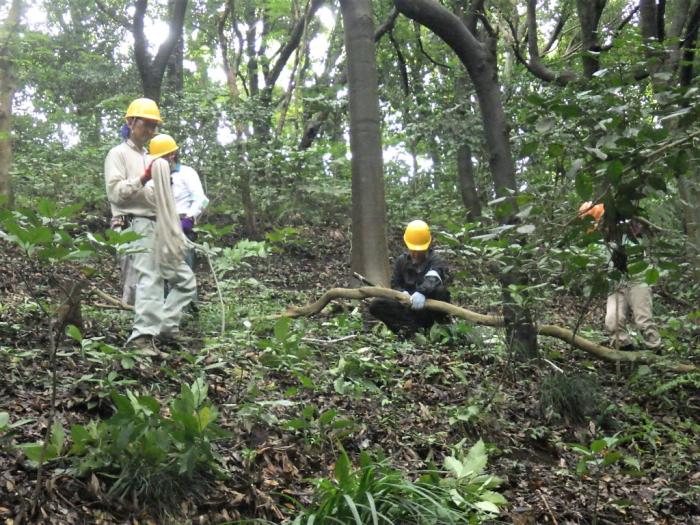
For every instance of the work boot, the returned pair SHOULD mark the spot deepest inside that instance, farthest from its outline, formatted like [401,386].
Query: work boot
[172,340]
[144,345]
[627,347]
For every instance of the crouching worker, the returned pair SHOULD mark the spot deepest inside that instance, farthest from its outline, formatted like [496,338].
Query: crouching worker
[420,274]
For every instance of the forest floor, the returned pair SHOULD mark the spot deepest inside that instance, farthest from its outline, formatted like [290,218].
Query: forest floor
[411,402]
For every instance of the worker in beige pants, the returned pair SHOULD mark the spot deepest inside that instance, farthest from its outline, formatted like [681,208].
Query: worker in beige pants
[634,298]
[149,210]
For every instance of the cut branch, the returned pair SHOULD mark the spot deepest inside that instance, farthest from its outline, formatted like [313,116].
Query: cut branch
[558,332]
[116,303]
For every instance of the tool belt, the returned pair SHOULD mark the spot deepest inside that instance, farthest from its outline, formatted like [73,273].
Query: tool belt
[122,222]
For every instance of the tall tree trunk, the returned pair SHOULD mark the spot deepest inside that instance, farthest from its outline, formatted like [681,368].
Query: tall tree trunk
[589,12]
[8,31]
[152,70]
[647,20]
[467,184]
[480,62]
[175,62]
[689,193]
[369,245]
[689,183]
[465,165]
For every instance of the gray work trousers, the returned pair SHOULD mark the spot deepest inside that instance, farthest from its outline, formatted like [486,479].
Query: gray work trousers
[153,314]
[128,281]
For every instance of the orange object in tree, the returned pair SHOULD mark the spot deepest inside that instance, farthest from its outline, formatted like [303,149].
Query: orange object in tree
[594,210]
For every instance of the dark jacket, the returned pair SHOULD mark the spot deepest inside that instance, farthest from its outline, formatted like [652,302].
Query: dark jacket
[421,277]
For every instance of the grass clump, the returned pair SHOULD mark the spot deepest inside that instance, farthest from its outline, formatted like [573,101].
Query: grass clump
[375,493]
[572,398]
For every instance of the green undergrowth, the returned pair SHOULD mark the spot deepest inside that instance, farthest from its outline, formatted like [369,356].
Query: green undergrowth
[363,417]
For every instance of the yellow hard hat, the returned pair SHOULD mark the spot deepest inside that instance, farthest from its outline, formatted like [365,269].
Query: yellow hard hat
[162,145]
[417,236]
[144,108]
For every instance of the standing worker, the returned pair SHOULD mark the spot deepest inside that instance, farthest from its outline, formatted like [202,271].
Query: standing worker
[149,210]
[190,199]
[630,295]
[420,274]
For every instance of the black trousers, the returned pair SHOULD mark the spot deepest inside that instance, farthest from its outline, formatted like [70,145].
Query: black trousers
[403,321]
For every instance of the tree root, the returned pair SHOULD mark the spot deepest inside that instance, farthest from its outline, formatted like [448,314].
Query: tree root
[599,351]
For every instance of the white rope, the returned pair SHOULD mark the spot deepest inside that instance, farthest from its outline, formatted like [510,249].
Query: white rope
[170,241]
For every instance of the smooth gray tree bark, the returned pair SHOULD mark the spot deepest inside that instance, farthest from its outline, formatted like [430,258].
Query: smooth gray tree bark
[369,243]
[8,30]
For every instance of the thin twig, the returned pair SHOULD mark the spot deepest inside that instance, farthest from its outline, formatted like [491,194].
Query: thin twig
[117,303]
[363,279]
[105,306]
[553,365]
[53,346]
[218,291]
[549,509]
[328,341]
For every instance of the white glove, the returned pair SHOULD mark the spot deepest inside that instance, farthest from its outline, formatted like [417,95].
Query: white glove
[417,301]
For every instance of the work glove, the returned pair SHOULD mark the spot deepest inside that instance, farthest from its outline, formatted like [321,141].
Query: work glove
[417,301]
[147,174]
[404,292]
[187,223]
[118,223]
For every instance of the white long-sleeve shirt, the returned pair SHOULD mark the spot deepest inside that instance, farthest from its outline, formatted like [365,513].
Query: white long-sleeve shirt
[190,199]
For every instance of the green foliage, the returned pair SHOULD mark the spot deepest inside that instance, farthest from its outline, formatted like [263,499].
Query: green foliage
[230,259]
[281,238]
[691,380]
[45,232]
[152,458]
[355,375]
[37,452]
[317,427]
[601,454]
[8,429]
[284,350]
[104,355]
[377,493]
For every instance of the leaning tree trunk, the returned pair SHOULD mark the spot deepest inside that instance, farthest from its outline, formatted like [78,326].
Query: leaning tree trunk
[480,63]
[369,245]
[465,165]
[7,90]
